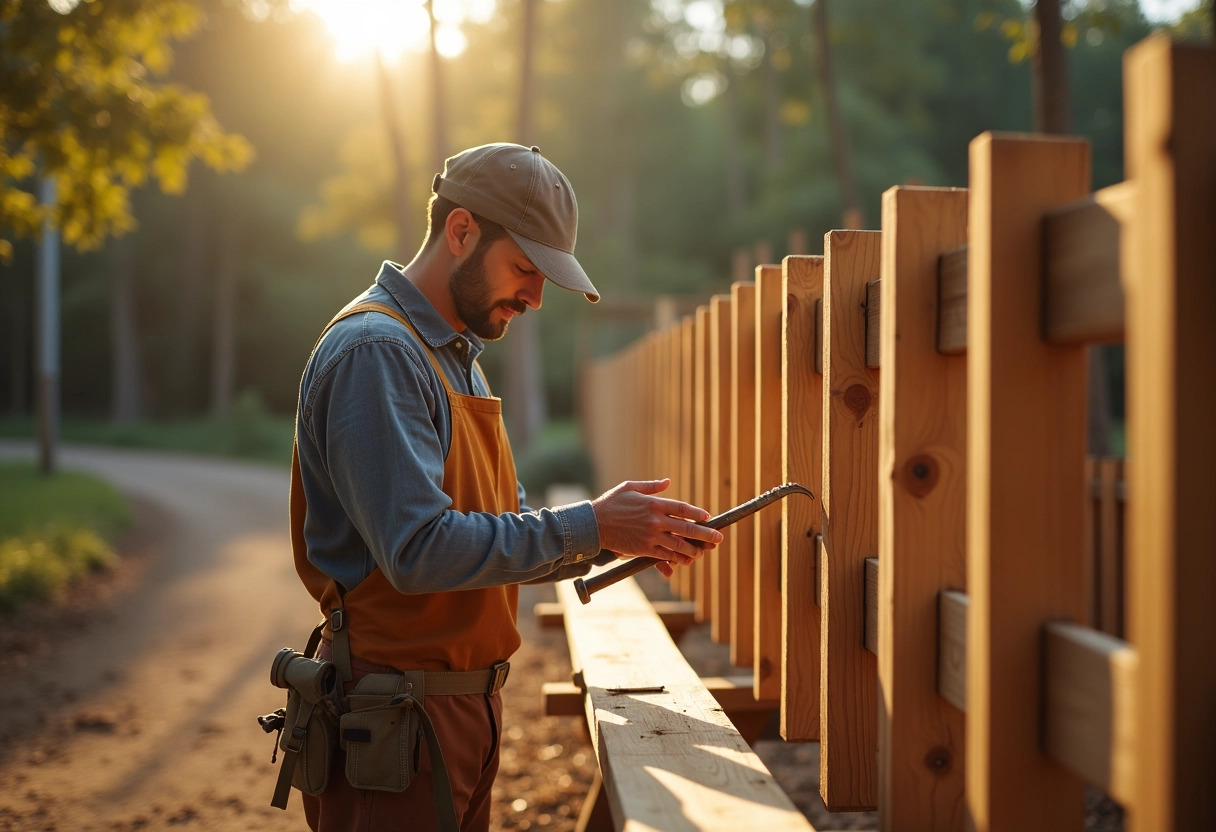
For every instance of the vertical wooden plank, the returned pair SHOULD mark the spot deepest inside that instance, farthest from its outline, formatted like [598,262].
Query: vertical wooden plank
[848,756]
[1171,370]
[687,424]
[743,471]
[721,429]
[766,532]
[673,355]
[700,446]
[801,461]
[1026,489]
[922,505]
[1109,566]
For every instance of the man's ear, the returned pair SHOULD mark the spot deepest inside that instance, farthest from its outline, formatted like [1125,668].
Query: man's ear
[460,232]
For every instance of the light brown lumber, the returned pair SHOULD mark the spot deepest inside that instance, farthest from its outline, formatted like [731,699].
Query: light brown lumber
[848,757]
[677,616]
[766,524]
[1025,456]
[720,431]
[1090,706]
[670,760]
[743,472]
[870,632]
[801,461]
[952,648]
[1171,373]
[1082,244]
[873,323]
[700,449]
[922,503]
[733,693]
[683,342]
[952,302]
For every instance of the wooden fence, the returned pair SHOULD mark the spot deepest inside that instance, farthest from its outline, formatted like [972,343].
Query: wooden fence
[948,618]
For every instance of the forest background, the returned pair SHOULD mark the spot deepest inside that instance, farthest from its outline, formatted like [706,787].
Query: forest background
[692,130]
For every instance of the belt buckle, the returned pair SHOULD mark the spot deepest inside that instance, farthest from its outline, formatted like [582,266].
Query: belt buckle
[501,669]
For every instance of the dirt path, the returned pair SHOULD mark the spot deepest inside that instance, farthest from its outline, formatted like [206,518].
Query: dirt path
[131,706]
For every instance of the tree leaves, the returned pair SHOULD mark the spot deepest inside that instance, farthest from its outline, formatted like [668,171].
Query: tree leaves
[82,105]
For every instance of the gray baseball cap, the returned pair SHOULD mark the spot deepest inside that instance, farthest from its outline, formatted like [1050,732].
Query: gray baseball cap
[527,195]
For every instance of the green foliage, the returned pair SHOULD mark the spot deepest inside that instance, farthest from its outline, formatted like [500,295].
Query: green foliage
[53,531]
[81,105]
[556,456]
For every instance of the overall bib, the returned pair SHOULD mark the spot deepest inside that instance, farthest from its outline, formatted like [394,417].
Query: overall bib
[449,631]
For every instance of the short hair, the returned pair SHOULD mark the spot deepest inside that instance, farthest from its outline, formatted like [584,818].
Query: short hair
[440,208]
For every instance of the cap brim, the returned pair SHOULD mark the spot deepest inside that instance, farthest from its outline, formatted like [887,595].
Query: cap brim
[559,266]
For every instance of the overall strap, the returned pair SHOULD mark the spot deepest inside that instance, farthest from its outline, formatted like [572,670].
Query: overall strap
[372,306]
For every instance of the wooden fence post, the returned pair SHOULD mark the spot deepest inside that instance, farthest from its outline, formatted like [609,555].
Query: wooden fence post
[743,451]
[1025,505]
[801,461]
[922,504]
[1171,370]
[848,757]
[700,446]
[766,539]
[721,429]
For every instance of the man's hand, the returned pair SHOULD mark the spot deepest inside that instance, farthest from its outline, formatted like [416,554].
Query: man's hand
[635,523]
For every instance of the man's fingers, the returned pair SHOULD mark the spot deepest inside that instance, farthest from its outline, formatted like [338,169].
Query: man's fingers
[675,508]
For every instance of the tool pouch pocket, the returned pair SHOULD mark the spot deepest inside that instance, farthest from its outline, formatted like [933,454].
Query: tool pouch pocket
[381,732]
[311,730]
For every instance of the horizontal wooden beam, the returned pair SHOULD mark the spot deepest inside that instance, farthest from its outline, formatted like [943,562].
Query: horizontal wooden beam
[1090,706]
[669,755]
[734,694]
[1083,250]
[952,648]
[677,616]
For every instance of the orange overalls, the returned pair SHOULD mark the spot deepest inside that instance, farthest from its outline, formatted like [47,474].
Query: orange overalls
[463,630]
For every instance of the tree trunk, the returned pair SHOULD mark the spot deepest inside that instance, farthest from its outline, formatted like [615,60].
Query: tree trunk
[125,394]
[48,335]
[1051,92]
[524,375]
[396,148]
[439,127]
[1052,106]
[223,344]
[19,352]
[841,158]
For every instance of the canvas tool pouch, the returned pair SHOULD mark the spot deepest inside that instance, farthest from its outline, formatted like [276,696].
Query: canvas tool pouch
[380,732]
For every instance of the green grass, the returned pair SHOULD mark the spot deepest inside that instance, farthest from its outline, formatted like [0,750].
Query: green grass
[249,432]
[53,531]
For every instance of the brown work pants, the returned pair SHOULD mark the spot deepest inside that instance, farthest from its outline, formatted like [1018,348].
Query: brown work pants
[468,728]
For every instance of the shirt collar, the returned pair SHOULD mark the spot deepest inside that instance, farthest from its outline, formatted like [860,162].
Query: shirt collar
[430,325]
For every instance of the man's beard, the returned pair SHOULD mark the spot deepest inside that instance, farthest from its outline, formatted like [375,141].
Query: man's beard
[473,299]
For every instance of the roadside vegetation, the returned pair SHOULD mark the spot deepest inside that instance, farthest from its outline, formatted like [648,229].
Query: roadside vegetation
[53,531]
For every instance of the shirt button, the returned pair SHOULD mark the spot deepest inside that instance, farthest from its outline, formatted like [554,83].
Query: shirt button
[459,344]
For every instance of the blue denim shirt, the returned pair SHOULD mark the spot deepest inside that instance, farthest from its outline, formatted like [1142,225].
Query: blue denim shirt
[374,427]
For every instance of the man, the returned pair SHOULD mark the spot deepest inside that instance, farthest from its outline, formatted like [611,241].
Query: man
[406,509]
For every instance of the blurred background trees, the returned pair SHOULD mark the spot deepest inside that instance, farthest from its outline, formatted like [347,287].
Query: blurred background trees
[690,128]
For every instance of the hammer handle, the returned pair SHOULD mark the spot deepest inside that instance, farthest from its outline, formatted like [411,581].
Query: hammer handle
[590,586]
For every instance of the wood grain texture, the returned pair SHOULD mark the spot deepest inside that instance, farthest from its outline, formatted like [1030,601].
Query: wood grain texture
[743,472]
[1025,457]
[700,452]
[801,461]
[670,760]
[873,323]
[1171,372]
[720,431]
[848,758]
[952,302]
[1089,706]
[766,524]
[922,502]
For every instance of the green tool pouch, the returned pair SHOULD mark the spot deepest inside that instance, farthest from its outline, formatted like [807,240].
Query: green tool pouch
[381,731]
[308,726]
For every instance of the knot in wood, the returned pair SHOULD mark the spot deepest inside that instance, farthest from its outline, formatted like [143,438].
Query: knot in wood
[939,761]
[921,473]
[857,399]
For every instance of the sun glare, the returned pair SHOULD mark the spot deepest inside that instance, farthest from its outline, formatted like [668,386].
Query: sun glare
[392,27]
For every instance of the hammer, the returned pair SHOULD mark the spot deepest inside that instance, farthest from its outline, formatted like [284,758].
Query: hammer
[587,588]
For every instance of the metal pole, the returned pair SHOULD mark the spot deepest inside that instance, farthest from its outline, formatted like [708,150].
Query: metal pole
[48,333]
